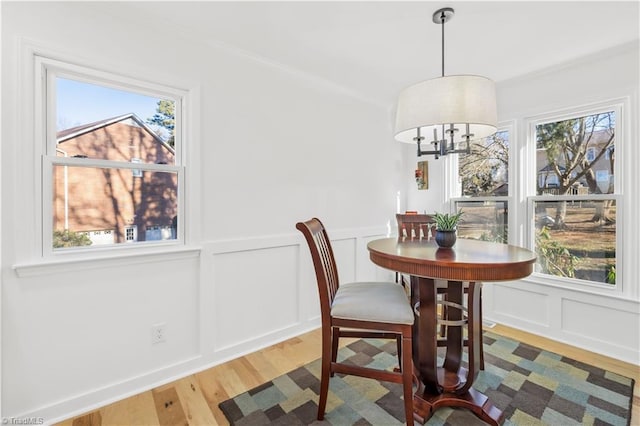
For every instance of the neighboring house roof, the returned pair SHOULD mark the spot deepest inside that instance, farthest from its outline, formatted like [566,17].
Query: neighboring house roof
[502,189]
[66,134]
[548,168]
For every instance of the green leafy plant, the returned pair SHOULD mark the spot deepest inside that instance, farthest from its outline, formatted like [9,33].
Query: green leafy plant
[446,221]
[553,257]
[611,274]
[68,238]
[497,234]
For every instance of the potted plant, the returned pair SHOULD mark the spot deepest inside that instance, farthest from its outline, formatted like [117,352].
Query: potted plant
[446,226]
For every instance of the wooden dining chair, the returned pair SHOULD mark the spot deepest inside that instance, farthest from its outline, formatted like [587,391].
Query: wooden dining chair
[415,226]
[412,226]
[360,309]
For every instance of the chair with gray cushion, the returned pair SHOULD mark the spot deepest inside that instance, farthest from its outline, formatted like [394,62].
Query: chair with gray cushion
[363,310]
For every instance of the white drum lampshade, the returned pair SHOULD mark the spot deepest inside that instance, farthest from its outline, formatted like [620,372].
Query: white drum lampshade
[455,99]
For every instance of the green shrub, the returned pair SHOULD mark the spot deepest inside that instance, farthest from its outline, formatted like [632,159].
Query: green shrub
[68,238]
[553,257]
[611,274]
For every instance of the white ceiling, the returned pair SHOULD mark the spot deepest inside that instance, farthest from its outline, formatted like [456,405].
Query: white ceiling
[376,48]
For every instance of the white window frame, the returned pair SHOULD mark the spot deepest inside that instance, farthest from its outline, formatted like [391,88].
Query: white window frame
[529,196]
[46,71]
[510,128]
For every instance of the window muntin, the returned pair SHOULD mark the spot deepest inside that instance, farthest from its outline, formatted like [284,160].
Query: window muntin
[114,177]
[574,211]
[484,186]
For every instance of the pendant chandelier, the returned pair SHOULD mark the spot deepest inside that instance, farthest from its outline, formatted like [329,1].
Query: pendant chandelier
[450,110]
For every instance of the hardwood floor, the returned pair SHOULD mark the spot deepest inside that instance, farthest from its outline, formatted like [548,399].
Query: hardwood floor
[194,399]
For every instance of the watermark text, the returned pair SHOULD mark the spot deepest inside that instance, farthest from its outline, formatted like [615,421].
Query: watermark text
[22,421]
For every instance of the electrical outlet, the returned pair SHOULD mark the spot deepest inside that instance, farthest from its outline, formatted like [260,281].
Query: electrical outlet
[158,333]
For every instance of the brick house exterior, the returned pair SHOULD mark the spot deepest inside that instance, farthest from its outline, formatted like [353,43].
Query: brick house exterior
[115,205]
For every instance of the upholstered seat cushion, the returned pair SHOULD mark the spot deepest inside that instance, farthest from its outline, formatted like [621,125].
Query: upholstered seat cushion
[372,301]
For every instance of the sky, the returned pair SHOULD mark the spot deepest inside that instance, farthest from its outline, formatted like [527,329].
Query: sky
[81,103]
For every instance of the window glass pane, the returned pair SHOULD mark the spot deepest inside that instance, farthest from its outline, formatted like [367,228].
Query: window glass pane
[576,156]
[95,121]
[483,220]
[95,206]
[584,246]
[485,170]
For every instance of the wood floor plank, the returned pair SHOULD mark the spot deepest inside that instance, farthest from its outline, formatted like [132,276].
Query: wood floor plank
[214,392]
[169,408]
[138,410]
[228,378]
[264,365]
[91,419]
[194,404]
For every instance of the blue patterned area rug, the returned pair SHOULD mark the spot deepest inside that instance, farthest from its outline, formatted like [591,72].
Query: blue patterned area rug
[531,386]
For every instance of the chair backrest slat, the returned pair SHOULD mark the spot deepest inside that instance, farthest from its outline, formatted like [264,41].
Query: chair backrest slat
[415,226]
[323,262]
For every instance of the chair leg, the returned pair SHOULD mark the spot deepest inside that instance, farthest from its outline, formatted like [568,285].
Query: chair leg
[327,345]
[407,376]
[334,345]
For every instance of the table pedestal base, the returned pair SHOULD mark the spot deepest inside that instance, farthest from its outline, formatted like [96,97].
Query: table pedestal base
[448,385]
[425,405]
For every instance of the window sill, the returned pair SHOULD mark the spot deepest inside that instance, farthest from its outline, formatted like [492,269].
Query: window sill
[47,267]
[585,287]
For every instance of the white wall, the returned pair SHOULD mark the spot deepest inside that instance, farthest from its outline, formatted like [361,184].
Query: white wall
[268,147]
[424,200]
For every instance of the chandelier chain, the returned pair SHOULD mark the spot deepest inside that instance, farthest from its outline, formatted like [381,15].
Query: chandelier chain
[442,20]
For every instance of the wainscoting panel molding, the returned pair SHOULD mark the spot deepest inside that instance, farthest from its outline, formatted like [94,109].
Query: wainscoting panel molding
[255,293]
[594,322]
[512,301]
[258,291]
[599,323]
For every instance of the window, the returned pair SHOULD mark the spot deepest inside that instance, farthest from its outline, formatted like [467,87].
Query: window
[136,172]
[111,169]
[131,234]
[484,186]
[608,155]
[574,209]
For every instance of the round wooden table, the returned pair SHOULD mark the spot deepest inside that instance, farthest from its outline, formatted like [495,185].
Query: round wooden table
[470,261]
